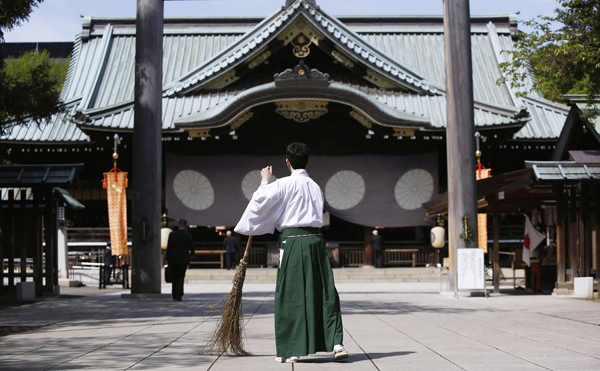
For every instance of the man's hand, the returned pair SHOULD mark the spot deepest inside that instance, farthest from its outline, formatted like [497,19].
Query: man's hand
[265,174]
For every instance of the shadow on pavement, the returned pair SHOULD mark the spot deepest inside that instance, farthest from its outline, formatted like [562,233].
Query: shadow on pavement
[353,357]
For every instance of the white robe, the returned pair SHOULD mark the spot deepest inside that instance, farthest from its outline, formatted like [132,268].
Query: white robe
[293,201]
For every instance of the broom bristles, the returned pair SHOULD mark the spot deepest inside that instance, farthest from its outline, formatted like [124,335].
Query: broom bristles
[228,335]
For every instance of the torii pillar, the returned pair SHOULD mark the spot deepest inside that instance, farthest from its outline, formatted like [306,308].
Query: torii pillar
[147,149]
[460,140]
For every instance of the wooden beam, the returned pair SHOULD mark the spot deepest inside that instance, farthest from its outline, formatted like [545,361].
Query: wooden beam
[496,252]
[460,139]
[147,149]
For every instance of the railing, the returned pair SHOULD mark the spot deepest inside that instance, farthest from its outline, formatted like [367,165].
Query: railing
[257,257]
[351,254]
[424,251]
[97,235]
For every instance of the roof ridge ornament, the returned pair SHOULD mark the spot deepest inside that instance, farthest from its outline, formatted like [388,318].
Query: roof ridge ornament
[290,2]
[301,72]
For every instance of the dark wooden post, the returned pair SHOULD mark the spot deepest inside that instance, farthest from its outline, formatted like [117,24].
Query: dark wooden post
[11,242]
[24,238]
[596,227]
[1,252]
[368,258]
[573,248]
[496,253]
[38,267]
[50,239]
[462,198]
[147,149]
[561,219]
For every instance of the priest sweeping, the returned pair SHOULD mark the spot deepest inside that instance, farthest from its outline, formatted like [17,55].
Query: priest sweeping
[307,306]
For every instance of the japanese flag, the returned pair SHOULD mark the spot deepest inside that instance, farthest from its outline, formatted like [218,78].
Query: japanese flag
[531,240]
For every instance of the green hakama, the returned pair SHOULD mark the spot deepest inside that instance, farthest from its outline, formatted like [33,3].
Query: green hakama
[307,306]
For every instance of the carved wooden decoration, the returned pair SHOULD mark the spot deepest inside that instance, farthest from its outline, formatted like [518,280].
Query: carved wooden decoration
[223,81]
[300,27]
[362,119]
[339,57]
[241,120]
[378,80]
[301,110]
[260,59]
[404,132]
[199,133]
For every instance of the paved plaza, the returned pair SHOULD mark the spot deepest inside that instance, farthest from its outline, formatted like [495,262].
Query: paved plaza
[387,326]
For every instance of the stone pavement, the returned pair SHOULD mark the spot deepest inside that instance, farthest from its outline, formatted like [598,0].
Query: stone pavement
[387,326]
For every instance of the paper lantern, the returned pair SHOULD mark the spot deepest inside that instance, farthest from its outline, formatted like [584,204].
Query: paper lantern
[164,237]
[438,237]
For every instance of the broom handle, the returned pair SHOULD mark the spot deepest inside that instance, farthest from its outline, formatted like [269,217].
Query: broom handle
[247,252]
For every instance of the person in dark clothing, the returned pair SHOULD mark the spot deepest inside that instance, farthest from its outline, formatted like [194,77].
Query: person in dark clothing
[377,243]
[109,262]
[180,248]
[230,246]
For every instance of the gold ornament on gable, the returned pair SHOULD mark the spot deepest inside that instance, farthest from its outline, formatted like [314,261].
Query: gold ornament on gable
[301,111]
[199,133]
[241,120]
[362,119]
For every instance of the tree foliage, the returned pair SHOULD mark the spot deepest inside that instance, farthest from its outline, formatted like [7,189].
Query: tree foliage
[562,52]
[14,12]
[30,88]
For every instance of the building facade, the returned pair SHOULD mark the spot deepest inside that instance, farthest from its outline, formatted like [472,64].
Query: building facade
[367,94]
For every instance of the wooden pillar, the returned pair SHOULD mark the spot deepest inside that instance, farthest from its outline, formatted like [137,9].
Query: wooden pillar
[50,225]
[11,242]
[2,244]
[147,149]
[561,221]
[596,242]
[460,140]
[573,249]
[496,252]
[38,239]
[24,238]
[368,257]
[585,229]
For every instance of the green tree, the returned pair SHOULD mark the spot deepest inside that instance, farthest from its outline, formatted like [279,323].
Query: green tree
[562,52]
[14,12]
[29,85]
[30,88]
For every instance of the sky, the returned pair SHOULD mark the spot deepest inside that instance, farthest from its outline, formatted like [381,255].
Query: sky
[60,20]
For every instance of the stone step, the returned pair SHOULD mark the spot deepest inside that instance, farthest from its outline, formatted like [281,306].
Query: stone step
[350,275]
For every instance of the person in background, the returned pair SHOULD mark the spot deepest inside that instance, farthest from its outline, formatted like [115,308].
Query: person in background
[377,243]
[180,249]
[109,262]
[230,246]
[536,270]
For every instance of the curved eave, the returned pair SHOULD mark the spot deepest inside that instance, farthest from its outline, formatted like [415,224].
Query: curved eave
[376,112]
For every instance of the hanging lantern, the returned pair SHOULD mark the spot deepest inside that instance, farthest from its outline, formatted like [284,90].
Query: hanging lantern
[164,237]
[115,183]
[438,237]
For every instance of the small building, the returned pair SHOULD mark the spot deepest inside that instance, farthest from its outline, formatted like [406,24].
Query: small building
[366,93]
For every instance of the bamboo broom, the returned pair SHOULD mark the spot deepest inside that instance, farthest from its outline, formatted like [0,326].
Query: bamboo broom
[228,335]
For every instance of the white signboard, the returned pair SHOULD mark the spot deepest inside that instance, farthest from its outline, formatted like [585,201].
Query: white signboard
[470,269]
